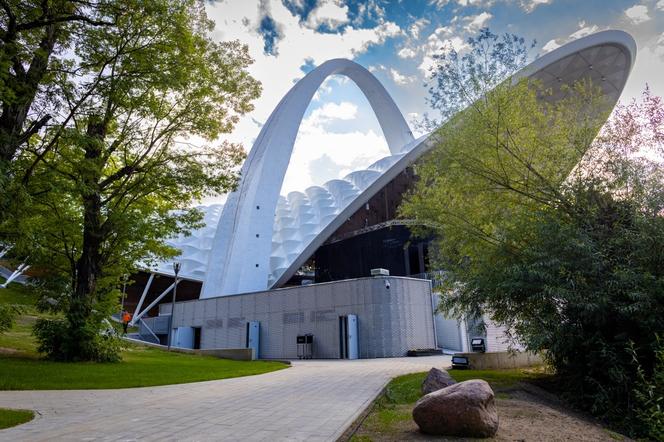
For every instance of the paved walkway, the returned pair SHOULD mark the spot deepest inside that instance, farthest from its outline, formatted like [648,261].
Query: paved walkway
[312,400]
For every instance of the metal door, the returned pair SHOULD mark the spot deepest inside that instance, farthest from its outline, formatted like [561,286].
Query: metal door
[348,337]
[353,341]
[253,337]
[184,337]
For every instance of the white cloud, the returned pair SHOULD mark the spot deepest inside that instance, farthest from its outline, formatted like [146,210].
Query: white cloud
[550,46]
[321,155]
[238,19]
[463,3]
[526,5]
[387,29]
[330,111]
[647,70]
[418,25]
[369,10]
[638,14]
[328,12]
[476,22]
[475,2]
[660,5]
[407,52]
[443,39]
[400,78]
[530,5]
[376,68]
[438,3]
[658,49]
[585,30]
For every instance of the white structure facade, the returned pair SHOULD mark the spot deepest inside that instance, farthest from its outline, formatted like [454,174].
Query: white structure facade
[259,239]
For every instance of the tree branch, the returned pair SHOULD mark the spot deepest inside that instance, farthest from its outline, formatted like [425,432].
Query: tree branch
[64,19]
[34,128]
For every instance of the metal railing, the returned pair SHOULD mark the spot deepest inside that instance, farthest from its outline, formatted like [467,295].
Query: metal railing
[145,332]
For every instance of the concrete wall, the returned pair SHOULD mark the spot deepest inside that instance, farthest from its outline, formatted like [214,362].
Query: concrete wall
[503,359]
[391,321]
[497,339]
[237,354]
[449,333]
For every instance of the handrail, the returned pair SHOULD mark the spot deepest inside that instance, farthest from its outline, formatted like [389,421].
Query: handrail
[149,329]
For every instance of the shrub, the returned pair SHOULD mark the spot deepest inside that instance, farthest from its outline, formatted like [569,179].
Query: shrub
[649,394]
[573,263]
[59,341]
[8,313]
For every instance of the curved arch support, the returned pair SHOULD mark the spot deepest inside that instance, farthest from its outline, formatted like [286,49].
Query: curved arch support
[239,259]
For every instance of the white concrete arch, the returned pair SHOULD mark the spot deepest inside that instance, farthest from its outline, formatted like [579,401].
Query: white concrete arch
[606,58]
[262,239]
[240,257]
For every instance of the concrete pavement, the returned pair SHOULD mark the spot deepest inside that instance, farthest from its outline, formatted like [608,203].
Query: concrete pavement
[312,400]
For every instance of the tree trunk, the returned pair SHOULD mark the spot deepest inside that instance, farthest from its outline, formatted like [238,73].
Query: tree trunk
[88,266]
[24,84]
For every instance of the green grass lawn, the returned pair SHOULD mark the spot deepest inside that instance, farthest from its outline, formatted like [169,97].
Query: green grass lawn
[406,389]
[140,367]
[22,369]
[394,407]
[17,294]
[11,418]
[19,338]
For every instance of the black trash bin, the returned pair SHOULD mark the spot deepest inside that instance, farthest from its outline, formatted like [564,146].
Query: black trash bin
[305,346]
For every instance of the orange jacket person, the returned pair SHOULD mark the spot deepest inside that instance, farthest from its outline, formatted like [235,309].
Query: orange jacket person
[126,317]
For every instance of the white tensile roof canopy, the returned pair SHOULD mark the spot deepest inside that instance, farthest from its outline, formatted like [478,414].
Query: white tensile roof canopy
[259,239]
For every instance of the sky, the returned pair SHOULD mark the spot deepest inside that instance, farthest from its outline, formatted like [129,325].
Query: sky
[396,41]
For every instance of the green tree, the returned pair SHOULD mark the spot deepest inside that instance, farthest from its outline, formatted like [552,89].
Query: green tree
[101,189]
[32,33]
[557,233]
[8,314]
[505,155]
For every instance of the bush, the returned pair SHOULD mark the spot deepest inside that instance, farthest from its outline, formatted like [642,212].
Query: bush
[8,314]
[583,289]
[59,341]
[649,394]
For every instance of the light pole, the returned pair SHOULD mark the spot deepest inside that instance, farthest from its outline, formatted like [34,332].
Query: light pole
[176,270]
[125,278]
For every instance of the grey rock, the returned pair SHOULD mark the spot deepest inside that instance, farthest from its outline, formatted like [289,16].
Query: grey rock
[466,409]
[435,380]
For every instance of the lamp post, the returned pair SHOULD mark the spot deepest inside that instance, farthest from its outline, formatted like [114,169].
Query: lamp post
[176,270]
[125,278]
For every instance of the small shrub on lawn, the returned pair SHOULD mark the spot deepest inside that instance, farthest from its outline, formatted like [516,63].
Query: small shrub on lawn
[61,342]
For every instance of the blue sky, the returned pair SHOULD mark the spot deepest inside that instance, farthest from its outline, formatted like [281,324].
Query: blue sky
[396,41]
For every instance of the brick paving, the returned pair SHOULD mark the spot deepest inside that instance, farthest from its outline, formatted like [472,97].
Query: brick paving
[312,400]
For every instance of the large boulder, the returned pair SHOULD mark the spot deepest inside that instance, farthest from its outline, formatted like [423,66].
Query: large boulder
[435,380]
[466,409]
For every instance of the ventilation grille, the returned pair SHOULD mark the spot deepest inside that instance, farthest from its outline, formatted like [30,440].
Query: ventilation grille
[215,323]
[323,315]
[294,318]
[236,322]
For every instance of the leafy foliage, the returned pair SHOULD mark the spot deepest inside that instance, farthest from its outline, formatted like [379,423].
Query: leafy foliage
[33,35]
[56,338]
[125,155]
[459,80]
[555,233]
[8,314]
[649,394]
